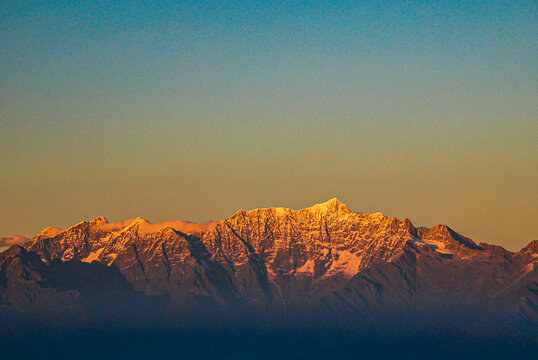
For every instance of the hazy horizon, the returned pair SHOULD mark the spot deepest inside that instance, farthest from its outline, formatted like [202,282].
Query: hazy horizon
[194,110]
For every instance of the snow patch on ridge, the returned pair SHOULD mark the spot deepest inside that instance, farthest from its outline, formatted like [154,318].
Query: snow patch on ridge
[49,231]
[307,268]
[186,227]
[438,246]
[328,205]
[108,227]
[144,227]
[93,256]
[344,262]
[377,215]
[280,211]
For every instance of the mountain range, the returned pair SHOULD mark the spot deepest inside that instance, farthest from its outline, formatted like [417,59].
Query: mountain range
[324,272]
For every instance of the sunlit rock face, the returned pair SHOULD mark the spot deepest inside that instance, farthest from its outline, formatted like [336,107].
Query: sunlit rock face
[321,259]
[263,256]
[322,281]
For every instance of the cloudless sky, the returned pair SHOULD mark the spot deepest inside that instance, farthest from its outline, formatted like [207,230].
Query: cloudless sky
[195,109]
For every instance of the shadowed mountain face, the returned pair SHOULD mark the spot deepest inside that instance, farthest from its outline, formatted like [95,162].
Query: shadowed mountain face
[320,270]
[68,293]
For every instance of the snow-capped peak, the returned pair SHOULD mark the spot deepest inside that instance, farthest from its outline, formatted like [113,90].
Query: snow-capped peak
[330,205]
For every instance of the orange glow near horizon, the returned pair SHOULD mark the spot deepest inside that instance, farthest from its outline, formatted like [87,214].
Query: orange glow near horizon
[425,111]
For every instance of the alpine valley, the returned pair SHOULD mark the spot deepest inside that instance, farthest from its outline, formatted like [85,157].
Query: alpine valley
[321,282]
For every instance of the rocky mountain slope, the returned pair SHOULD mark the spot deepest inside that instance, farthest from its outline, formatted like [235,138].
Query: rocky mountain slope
[321,265]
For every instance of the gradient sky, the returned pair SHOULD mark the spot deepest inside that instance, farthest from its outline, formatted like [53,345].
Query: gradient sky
[195,109]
